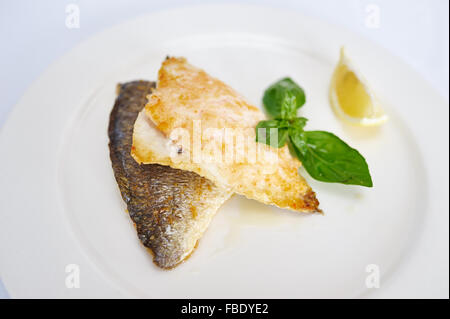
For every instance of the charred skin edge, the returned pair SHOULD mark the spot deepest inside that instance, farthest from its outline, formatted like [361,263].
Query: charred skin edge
[117,132]
[311,203]
[155,257]
[151,252]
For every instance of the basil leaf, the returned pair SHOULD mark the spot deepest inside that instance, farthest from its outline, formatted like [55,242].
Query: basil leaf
[275,95]
[289,106]
[299,123]
[272,132]
[329,159]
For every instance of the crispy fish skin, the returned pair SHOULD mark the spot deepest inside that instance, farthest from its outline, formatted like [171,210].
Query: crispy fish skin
[185,95]
[170,208]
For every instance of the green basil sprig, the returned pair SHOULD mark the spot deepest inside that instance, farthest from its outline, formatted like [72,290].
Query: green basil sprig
[275,95]
[272,132]
[324,155]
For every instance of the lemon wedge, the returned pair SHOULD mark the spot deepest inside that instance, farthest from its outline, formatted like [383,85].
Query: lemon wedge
[351,98]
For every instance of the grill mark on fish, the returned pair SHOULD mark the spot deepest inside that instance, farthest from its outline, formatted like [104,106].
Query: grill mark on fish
[170,208]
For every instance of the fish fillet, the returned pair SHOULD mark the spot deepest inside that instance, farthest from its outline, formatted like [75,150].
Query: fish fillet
[170,208]
[187,98]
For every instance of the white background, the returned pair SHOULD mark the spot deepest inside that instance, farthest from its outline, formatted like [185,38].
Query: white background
[33,34]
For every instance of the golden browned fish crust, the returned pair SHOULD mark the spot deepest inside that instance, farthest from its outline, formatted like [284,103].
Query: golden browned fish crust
[170,208]
[186,95]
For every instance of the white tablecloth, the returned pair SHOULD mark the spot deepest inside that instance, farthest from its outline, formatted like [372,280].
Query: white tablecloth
[34,34]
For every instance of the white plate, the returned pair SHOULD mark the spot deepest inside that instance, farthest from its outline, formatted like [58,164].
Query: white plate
[60,204]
